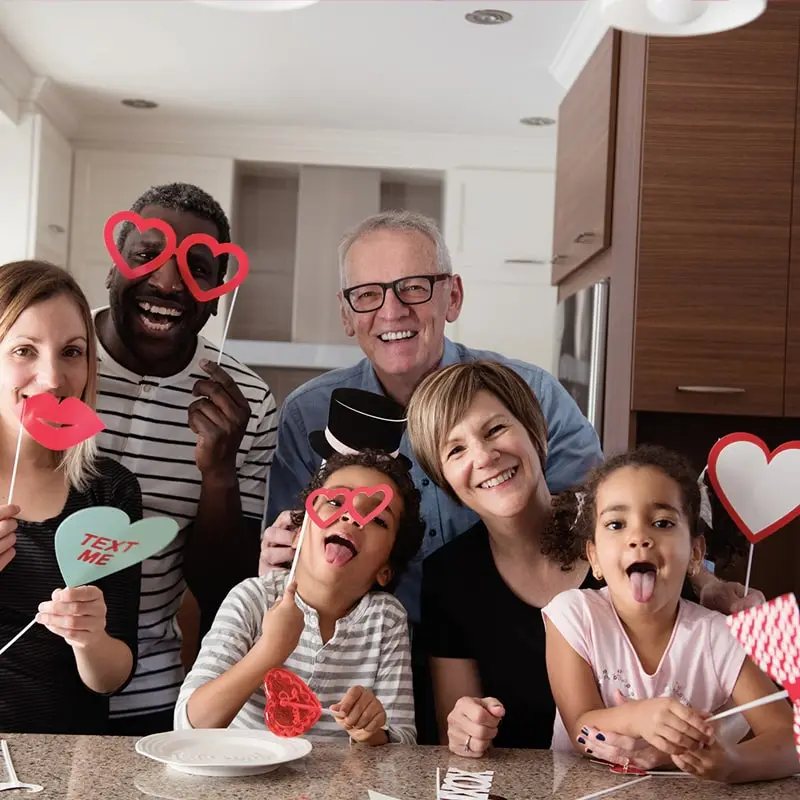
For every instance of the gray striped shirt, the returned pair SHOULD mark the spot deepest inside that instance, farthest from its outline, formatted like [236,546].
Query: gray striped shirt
[370,648]
[147,431]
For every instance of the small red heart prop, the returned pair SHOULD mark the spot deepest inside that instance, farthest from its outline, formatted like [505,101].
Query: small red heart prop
[349,503]
[619,769]
[204,295]
[292,708]
[142,224]
[80,422]
[758,488]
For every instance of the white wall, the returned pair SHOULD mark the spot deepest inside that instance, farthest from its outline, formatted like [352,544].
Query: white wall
[16,186]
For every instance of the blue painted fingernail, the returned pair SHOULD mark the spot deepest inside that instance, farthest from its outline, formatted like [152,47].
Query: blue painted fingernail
[588,751]
[600,737]
[581,740]
[585,731]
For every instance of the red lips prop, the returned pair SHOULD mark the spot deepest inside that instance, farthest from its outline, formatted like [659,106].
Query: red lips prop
[292,708]
[349,503]
[181,254]
[80,422]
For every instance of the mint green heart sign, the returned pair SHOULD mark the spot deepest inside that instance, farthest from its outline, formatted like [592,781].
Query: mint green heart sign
[100,541]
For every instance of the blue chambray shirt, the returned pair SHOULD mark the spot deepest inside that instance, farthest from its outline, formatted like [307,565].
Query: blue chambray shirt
[573,449]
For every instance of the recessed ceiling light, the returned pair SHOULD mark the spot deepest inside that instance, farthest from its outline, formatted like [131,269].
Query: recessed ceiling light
[488,16]
[538,122]
[136,103]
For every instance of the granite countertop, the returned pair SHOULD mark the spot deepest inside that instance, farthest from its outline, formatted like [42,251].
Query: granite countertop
[108,768]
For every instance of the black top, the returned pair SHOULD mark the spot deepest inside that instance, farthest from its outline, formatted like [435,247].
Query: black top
[468,611]
[40,689]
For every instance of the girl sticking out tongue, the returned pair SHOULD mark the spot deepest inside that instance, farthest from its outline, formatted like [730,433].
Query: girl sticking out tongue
[636,660]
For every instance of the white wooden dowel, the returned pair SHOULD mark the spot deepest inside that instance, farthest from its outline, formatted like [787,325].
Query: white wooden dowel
[762,701]
[614,788]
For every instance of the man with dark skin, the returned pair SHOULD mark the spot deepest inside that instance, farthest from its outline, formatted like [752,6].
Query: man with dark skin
[198,436]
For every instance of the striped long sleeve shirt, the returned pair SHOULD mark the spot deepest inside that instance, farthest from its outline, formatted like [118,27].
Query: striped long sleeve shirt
[370,648]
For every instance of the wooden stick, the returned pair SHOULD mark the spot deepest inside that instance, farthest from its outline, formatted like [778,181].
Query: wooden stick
[762,701]
[16,456]
[749,568]
[18,636]
[297,551]
[227,323]
[614,788]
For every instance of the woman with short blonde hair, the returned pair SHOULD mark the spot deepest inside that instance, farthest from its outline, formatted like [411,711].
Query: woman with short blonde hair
[58,677]
[478,431]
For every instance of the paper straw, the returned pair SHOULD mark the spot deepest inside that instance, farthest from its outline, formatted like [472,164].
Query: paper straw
[18,636]
[227,324]
[762,701]
[614,788]
[749,567]
[297,552]
[438,779]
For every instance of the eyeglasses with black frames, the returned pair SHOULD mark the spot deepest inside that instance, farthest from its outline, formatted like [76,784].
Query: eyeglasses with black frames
[411,291]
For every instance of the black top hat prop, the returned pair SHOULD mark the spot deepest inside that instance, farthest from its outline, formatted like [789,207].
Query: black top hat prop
[360,420]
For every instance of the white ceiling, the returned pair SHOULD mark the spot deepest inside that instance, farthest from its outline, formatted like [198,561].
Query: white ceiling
[416,65]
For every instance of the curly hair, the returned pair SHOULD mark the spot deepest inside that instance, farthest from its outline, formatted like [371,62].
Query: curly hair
[572,523]
[411,528]
[191,199]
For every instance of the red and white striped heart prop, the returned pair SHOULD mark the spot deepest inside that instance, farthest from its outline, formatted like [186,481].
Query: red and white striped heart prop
[770,635]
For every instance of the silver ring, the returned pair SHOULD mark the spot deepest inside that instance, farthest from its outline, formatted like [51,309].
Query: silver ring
[466,744]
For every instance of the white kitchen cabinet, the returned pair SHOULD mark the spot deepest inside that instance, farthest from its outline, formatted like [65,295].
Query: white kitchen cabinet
[36,169]
[107,181]
[499,229]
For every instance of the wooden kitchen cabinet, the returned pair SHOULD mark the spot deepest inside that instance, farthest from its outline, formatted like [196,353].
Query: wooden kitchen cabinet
[715,223]
[585,161]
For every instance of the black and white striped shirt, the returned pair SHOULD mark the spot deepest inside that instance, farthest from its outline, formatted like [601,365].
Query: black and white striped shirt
[370,648]
[147,431]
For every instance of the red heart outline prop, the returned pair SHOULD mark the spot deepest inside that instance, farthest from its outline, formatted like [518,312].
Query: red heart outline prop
[142,224]
[203,295]
[349,503]
[292,708]
[82,421]
[728,503]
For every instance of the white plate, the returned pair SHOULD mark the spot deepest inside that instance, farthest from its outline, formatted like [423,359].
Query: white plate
[222,752]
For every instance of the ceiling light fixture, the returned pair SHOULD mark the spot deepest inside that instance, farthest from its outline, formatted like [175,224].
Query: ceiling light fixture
[257,5]
[538,122]
[680,17]
[136,103]
[488,16]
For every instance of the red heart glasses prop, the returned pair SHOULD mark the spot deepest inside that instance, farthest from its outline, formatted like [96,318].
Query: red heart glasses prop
[292,708]
[770,635]
[349,503]
[759,489]
[80,422]
[142,224]
[181,254]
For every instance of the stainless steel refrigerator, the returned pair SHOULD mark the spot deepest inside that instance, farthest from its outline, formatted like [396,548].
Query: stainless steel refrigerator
[580,356]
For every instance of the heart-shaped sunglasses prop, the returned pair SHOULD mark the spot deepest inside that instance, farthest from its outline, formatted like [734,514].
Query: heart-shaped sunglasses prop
[96,542]
[759,489]
[770,635]
[292,708]
[348,506]
[181,253]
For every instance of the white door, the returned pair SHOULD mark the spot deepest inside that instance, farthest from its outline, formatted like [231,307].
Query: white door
[499,228]
[107,181]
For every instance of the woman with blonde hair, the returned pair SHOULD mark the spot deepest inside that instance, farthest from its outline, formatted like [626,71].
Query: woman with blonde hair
[57,678]
[478,431]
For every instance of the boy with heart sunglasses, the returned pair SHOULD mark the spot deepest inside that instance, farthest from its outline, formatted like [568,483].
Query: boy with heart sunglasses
[634,659]
[336,626]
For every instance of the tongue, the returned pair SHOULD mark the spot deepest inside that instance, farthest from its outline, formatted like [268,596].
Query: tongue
[337,554]
[643,584]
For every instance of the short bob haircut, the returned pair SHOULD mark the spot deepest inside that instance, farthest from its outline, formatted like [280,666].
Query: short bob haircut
[24,284]
[441,401]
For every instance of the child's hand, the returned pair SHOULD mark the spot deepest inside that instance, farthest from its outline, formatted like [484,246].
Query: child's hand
[360,713]
[8,534]
[78,615]
[714,763]
[670,726]
[618,749]
[283,625]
